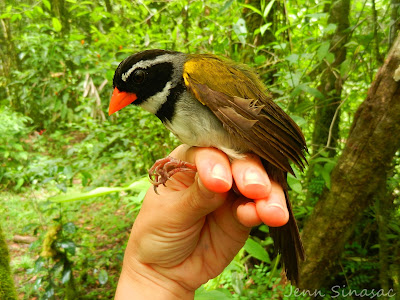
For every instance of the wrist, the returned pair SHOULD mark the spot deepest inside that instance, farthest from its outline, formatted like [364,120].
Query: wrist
[140,281]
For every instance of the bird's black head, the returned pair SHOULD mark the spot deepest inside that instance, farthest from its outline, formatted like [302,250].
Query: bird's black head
[143,75]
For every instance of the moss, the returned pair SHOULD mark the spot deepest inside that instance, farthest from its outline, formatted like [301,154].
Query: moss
[48,249]
[7,288]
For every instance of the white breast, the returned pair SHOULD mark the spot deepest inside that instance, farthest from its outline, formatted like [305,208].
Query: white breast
[194,124]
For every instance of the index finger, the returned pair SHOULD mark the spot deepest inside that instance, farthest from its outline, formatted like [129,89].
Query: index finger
[212,165]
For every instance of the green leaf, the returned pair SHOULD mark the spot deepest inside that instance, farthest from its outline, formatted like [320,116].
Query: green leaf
[69,227]
[66,276]
[260,59]
[39,10]
[292,58]
[227,5]
[237,282]
[68,172]
[103,276]
[256,250]
[256,10]
[202,294]
[316,15]
[138,186]
[310,90]
[330,28]
[49,292]
[268,8]
[68,246]
[330,57]
[240,29]
[47,4]
[263,228]
[298,120]
[323,50]
[16,17]
[294,184]
[326,173]
[20,182]
[345,67]
[264,28]
[56,25]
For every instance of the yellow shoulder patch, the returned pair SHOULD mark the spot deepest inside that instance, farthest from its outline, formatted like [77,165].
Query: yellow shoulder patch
[190,68]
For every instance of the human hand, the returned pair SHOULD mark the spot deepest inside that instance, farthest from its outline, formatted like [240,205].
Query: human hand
[191,231]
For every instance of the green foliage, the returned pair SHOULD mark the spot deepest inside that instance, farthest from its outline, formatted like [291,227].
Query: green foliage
[91,234]
[13,150]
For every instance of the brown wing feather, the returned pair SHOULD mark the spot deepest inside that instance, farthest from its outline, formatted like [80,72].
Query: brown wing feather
[246,112]
[274,135]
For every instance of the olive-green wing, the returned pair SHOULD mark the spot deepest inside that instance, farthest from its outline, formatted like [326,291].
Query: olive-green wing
[237,97]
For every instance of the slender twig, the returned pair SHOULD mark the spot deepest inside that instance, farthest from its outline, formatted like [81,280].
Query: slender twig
[328,142]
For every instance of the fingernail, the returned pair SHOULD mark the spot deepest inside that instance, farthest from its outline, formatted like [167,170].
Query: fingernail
[219,172]
[279,212]
[252,176]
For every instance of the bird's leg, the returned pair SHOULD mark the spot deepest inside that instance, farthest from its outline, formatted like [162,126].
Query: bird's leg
[164,168]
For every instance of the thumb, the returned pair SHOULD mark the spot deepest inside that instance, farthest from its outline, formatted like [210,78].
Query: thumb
[211,183]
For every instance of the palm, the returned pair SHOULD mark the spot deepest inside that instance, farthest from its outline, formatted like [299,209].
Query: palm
[202,247]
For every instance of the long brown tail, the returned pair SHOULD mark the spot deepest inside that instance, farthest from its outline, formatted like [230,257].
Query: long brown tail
[286,238]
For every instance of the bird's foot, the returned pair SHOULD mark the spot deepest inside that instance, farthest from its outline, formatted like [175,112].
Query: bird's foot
[164,168]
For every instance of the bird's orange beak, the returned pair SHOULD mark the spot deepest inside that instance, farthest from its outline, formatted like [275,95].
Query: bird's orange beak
[119,100]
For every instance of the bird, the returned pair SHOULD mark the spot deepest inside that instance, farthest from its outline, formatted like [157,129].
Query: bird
[209,101]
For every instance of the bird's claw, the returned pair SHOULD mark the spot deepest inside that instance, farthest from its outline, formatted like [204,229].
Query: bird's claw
[164,168]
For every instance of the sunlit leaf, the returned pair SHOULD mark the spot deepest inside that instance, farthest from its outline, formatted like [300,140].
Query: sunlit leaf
[138,185]
[47,4]
[203,294]
[103,276]
[69,227]
[330,28]
[56,24]
[268,8]
[264,28]
[256,250]
[256,10]
[66,276]
[68,245]
[294,183]
[240,29]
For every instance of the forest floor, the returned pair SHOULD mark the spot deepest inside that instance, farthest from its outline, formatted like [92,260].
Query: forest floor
[102,232]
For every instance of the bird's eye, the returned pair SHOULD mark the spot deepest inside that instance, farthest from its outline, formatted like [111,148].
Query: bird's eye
[139,76]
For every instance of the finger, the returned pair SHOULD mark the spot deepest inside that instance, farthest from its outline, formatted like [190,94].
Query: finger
[214,169]
[211,184]
[246,213]
[273,210]
[212,165]
[251,178]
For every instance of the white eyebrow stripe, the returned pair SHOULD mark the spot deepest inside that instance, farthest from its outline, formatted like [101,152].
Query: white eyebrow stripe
[144,64]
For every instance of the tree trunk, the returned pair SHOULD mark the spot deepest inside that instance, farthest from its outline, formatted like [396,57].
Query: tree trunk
[7,289]
[371,145]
